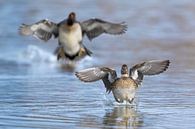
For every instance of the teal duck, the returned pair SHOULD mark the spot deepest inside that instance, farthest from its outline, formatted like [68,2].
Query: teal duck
[70,34]
[124,87]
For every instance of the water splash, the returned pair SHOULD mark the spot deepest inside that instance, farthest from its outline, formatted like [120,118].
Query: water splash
[34,54]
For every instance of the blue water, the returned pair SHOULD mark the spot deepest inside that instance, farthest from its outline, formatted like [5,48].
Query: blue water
[36,91]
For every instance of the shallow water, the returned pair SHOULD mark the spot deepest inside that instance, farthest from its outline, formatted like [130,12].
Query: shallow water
[37,92]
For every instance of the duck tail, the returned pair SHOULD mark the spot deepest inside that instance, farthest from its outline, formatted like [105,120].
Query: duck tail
[59,51]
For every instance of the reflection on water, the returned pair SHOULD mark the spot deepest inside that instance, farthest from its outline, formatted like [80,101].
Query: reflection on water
[123,116]
[36,91]
[116,117]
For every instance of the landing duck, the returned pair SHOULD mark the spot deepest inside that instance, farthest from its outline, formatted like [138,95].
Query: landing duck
[70,33]
[124,87]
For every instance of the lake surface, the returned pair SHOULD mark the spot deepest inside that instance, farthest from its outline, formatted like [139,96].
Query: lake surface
[37,92]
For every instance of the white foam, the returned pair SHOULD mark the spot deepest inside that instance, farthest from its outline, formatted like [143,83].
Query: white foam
[34,54]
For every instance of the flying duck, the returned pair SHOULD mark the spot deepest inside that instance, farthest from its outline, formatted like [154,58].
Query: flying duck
[123,88]
[70,34]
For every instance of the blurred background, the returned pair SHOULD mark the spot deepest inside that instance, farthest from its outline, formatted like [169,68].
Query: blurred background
[35,92]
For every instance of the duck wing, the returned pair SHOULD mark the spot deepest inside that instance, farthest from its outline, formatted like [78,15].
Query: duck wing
[105,74]
[43,29]
[95,27]
[153,67]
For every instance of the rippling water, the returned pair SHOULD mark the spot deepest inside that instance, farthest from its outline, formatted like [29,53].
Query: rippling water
[37,92]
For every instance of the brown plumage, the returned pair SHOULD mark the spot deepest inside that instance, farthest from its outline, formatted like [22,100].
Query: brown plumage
[124,82]
[123,88]
[70,34]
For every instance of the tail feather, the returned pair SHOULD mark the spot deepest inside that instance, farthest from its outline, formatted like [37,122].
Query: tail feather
[59,51]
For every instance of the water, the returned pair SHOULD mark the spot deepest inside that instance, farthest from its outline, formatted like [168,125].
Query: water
[37,92]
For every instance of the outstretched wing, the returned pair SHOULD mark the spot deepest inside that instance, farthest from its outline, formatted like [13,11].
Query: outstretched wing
[95,74]
[43,29]
[148,68]
[91,74]
[95,27]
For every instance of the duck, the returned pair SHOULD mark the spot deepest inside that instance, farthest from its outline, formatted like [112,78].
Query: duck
[124,87]
[70,33]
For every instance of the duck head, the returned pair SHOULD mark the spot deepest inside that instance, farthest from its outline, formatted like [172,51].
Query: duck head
[71,18]
[124,71]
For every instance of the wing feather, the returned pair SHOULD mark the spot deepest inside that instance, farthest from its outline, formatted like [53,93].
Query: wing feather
[148,68]
[43,29]
[95,27]
[95,74]
[91,74]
